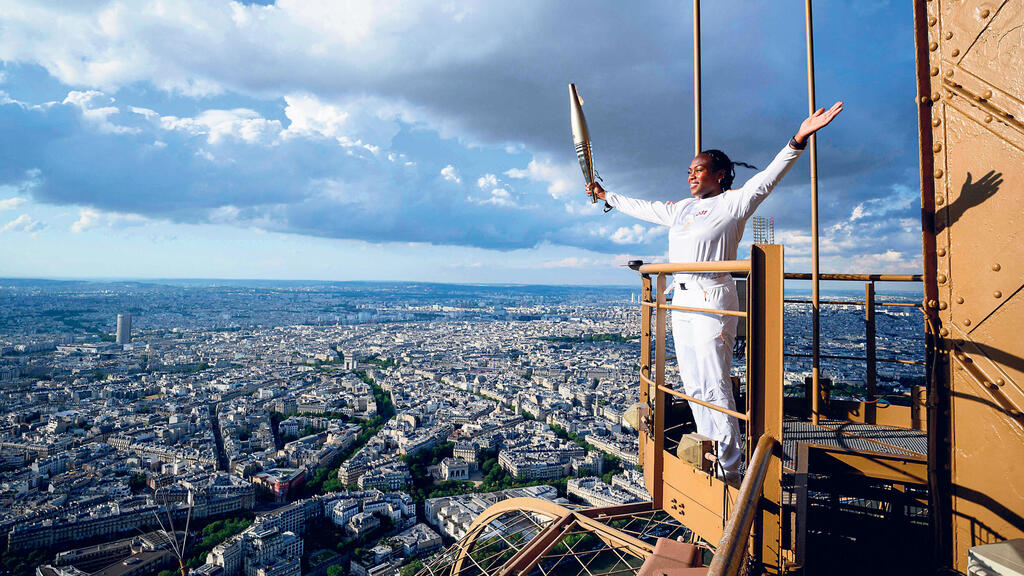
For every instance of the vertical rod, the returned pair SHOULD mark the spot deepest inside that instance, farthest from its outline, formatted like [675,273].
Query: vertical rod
[815,304]
[869,347]
[645,369]
[660,399]
[696,78]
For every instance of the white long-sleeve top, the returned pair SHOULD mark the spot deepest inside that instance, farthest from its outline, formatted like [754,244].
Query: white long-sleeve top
[708,229]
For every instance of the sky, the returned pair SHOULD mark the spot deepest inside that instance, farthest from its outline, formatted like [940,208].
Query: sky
[429,140]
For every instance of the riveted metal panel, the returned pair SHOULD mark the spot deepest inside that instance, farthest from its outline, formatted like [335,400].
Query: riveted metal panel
[973,197]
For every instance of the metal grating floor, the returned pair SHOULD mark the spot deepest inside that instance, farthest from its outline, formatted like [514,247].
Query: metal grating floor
[794,431]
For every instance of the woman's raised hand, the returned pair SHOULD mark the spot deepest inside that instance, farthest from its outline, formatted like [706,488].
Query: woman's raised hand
[817,121]
[594,189]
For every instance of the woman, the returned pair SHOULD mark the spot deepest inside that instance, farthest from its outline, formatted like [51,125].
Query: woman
[704,228]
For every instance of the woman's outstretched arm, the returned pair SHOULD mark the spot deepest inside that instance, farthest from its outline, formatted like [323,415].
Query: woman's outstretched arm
[653,212]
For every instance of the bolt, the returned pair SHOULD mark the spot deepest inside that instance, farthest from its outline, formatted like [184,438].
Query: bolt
[985,13]
[942,306]
[938,173]
[959,299]
[986,94]
[925,100]
[948,35]
[932,303]
[941,278]
[996,267]
[954,53]
[935,70]
[1000,382]
[940,200]
[936,122]
[941,251]
[932,20]
[943,332]
[967,321]
[997,294]
[933,46]
[988,118]
[949,73]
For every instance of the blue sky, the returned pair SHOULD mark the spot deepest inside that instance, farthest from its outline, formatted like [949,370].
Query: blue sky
[429,140]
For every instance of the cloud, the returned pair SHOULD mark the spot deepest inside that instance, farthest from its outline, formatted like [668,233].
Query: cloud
[89,219]
[450,174]
[218,125]
[558,178]
[340,127]
[487,181]
[11,203]
[636,234]
[23,223]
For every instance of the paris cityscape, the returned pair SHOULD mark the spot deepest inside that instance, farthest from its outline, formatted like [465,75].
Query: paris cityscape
[328,428]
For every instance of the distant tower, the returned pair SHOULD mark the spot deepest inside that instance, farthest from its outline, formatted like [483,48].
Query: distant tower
[764,230]
[124,328]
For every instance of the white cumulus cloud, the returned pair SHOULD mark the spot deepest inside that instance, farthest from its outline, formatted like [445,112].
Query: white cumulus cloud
[23,223]
[11,203]
[450,174]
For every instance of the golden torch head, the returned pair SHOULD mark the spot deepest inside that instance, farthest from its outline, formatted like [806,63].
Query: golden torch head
[581,136]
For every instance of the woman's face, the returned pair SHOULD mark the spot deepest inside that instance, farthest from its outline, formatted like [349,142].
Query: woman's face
[702,179]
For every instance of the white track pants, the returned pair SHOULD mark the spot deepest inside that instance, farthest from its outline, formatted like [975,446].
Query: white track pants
[704,352]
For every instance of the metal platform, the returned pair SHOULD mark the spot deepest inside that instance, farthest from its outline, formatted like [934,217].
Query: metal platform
[858,437]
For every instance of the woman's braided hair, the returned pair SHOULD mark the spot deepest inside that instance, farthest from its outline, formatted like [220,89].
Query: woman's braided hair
[719,161]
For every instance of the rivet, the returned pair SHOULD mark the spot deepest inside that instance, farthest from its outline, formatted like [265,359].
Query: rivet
[937,147]
[985,13]
[943,332]
[949,73]
[938,173]
[942,306]
[949,35]
[932,20]
[936,122]
[933,46]
[941,278]
[959,299]
[935,70]
[996,267]
[997,294]
[986,94]
[935,97]
[939,200]
[933,303]
[988,118]
[925,100]
[941,251]
[967,321]
[1000,382]
[954,53]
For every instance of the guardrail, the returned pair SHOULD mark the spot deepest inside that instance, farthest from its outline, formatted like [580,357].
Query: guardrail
[706,504]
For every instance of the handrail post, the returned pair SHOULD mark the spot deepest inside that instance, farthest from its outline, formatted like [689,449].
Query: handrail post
[659,395]
[764,388]
[645,358]
[871,374]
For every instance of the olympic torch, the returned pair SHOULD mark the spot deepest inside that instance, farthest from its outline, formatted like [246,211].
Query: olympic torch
[581,139]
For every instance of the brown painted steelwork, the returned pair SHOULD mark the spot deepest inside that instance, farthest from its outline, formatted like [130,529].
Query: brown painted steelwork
[971,98]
